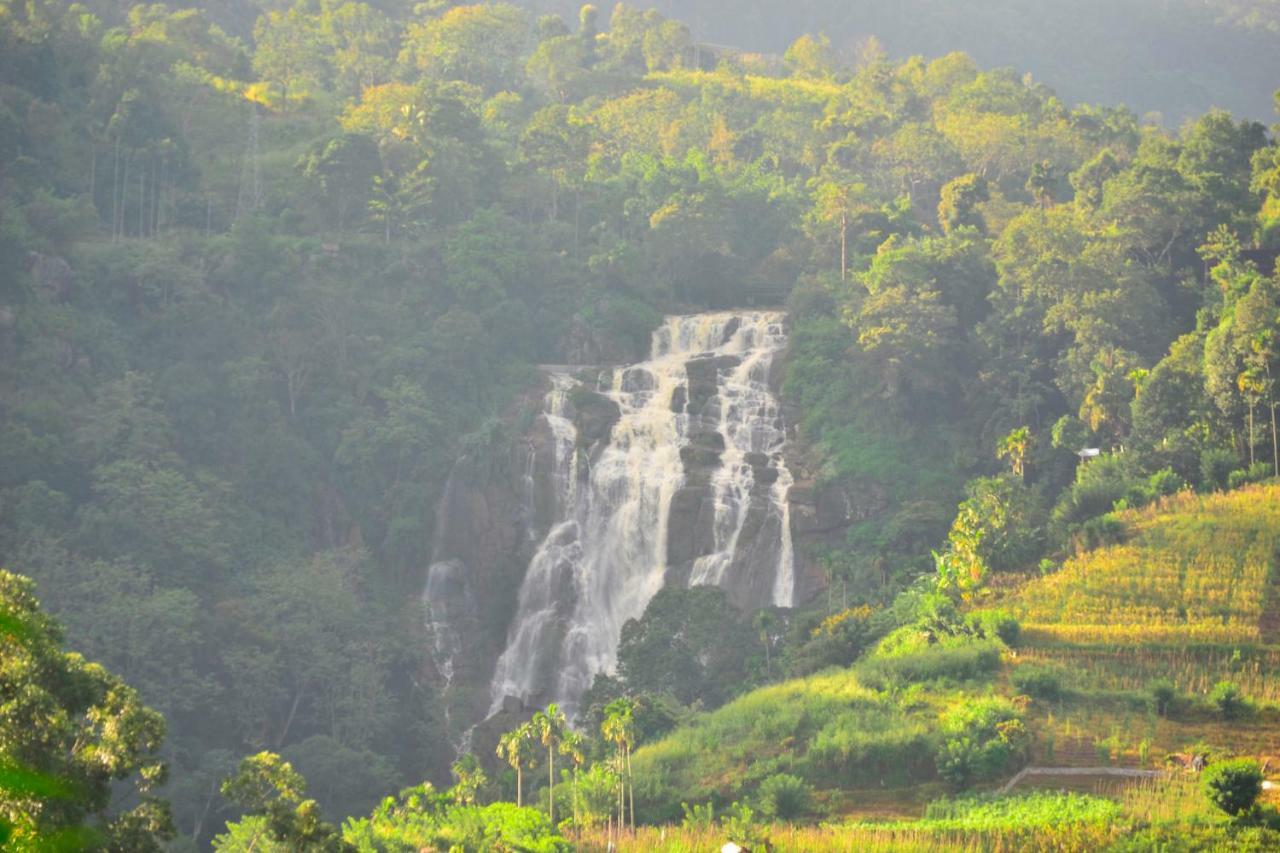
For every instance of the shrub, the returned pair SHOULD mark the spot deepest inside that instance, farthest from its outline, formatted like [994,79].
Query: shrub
[1228,700]
[785,797]
[1163,695]
[1099,484]
[984,740]
[741,827]
[1255,473]
[960,662]
[1160,484]
[698,816]
[1233,786]
[1216,466]
[1102,531]
[837,641]
[998,625]
[1166,482]
[1042,682]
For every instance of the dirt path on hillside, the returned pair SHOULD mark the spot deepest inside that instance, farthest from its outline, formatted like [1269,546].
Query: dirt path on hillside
[1092,772]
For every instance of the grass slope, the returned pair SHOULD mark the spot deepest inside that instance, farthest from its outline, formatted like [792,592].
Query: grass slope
[1195,568]
[1189,596]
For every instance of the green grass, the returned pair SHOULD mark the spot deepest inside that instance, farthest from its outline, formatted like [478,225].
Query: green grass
[827,728]
[1186,597]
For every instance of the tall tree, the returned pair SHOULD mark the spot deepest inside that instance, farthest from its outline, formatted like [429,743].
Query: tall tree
[550,727]
[77,735]
[618,727]
[515,748]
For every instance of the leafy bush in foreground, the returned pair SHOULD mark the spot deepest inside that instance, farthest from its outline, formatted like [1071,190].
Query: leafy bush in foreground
[1233,786]
[984,739]
[420,818]
[785,797]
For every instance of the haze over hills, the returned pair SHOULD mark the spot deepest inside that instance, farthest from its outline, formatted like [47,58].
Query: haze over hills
[1175,57]
[451,428]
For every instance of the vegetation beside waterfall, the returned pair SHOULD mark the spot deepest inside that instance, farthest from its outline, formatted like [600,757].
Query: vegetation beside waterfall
[265,284]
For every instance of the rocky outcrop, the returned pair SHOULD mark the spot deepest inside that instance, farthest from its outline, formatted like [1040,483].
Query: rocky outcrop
[594,415]
[51,275]
[667,471]
[495,508]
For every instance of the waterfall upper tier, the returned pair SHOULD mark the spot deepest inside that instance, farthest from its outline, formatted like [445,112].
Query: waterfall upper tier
[689,487]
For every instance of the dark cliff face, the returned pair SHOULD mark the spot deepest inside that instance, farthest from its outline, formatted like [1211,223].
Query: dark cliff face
[501,507]
[495,509]
[822,511]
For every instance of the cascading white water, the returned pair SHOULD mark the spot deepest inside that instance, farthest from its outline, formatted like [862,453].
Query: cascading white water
[607,554]
[750,424]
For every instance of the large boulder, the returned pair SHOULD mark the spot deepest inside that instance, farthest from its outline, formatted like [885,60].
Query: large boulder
[594,415]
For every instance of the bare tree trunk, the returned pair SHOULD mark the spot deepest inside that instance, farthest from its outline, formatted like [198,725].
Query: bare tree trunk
[551,787]
[844,243]
[124,193]
[288,723]
[115,180]
[632,795]
[519,787]
[155,198]
[1275,443]
[1251,408]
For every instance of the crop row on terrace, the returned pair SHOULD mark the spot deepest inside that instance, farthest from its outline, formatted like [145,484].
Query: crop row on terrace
[1195,568]
[1192,669]
[1034,820]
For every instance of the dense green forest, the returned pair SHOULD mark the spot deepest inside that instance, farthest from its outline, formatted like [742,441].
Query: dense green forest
[266,272]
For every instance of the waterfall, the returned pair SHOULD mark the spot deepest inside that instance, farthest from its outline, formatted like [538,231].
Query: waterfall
[608,552]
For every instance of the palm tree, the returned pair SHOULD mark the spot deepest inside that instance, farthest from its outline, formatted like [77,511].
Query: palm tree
[1014,447]
[550,725]
[571,745]
[619,728]
[514,748]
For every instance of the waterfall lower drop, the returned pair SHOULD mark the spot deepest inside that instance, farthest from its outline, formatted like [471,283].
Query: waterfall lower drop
[607,554]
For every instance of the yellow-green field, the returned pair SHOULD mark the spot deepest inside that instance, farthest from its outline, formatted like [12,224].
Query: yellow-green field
[1190,596]
[1195,569]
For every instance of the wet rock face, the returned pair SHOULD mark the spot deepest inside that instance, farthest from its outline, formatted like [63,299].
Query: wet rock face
[821,515]
[670,471]
[704,376]
[594,415]
[488,522]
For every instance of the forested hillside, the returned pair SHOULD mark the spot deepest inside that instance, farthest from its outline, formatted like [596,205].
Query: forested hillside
[1177,58]
[263,282]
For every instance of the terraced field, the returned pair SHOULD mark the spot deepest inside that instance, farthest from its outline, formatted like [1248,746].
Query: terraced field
[1192,596]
